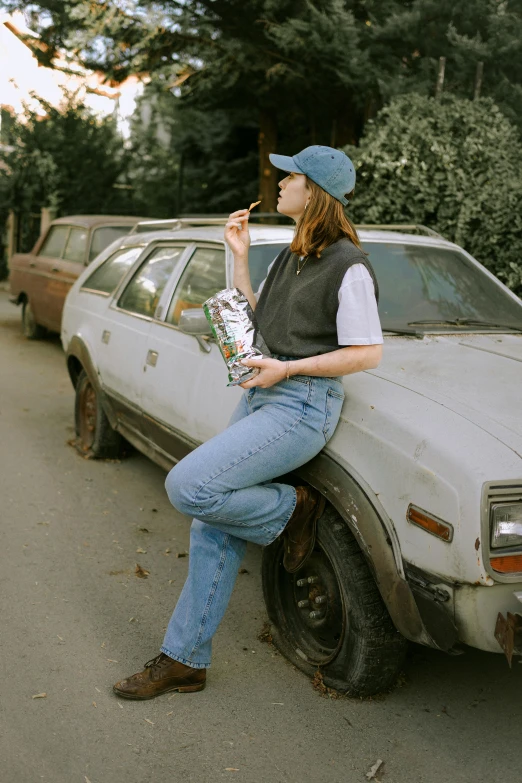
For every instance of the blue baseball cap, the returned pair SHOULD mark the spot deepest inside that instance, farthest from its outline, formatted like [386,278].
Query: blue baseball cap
[329,168]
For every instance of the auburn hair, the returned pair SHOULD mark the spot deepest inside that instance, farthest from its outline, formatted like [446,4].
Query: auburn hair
[322,223]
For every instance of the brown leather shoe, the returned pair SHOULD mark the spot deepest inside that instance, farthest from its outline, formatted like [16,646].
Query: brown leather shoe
[300,531]
[161,675]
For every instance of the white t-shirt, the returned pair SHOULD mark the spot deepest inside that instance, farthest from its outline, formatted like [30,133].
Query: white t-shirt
[358,320]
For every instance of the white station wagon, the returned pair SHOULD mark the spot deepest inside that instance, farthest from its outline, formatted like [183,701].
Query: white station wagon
[421,538]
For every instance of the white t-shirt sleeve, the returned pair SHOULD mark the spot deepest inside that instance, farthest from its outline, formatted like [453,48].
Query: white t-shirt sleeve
[358,320]
[258,292]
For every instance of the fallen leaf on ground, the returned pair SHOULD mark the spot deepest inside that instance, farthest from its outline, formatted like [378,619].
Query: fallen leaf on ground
[374,769]
[132,619]
[181,554]
[40,696]
[243,571]
[170,713]
[141,572]
[148,721]
[264,635]
[141,551]
[112,660]
[144,530]
[319,686]
[119,705]
[167,551]
[87,779]
[94,704]
[231,769]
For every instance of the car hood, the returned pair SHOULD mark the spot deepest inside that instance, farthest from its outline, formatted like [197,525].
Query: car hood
[478,376]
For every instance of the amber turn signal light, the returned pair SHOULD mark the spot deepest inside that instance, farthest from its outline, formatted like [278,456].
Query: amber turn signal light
[437,527]
[507,564]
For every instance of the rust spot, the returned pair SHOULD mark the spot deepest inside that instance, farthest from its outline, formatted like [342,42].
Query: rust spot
[477,544]
[508,633]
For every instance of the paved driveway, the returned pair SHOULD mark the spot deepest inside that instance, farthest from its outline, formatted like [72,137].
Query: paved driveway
[75,618]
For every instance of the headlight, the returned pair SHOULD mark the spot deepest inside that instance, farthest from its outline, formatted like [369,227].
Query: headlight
[506,525]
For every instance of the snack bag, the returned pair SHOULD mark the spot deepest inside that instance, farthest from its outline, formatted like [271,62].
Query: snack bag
[233,325]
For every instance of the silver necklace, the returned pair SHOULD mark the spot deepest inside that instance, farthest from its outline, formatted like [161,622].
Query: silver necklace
[299,268]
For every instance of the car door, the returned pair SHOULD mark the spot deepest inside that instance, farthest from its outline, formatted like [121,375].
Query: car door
[185,391]
[42,269]
[64,272]
[124,332]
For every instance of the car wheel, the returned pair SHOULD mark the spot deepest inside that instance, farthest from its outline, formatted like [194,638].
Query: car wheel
[30,328]
[330,614]
[94,435]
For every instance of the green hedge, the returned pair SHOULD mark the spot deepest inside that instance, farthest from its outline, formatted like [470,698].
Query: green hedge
[451,164]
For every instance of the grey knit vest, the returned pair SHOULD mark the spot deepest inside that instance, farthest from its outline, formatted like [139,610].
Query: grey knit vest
[296,314]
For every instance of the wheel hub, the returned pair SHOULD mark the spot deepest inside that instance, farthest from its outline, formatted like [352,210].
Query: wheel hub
[313,608]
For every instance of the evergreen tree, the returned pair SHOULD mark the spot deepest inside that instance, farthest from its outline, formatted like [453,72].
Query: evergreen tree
[301,71]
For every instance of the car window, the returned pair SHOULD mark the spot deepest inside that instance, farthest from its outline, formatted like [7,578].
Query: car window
[143,292]
[259,259]
[107,277]
[76,245]
[54,242]
[204,276]
[102,238]
[421,282]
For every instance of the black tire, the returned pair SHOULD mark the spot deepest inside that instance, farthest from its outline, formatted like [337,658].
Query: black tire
[30,328]
[354,642]
[95,437]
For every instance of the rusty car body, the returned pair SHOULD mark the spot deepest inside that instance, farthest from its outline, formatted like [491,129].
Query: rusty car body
[40,280]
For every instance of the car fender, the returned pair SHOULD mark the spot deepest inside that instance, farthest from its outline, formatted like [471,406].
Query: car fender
[375,534]
[78,358]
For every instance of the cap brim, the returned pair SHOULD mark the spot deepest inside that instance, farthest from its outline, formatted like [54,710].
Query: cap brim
[285,163]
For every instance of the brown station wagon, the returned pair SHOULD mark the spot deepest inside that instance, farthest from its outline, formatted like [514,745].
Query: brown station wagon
[41,279]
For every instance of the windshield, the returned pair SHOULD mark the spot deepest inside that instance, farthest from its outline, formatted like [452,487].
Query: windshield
[419,283]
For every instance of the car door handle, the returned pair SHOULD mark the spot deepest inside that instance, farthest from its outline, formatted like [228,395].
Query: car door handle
[32,263]
[55,269]
[106,336]
[152,358]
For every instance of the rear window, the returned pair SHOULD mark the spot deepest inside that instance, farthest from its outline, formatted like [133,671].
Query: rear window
[107,277]
[102,238]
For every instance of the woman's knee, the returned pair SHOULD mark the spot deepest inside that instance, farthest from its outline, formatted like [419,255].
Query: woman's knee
[180,489]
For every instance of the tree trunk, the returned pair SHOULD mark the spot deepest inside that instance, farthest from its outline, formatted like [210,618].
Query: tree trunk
[268,176]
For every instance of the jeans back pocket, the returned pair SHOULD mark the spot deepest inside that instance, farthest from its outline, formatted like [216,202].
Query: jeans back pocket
[334,404]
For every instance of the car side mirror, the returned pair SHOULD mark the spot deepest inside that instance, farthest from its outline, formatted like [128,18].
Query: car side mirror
[194,322]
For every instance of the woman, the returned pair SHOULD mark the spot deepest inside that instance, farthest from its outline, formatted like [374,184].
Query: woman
[317,312]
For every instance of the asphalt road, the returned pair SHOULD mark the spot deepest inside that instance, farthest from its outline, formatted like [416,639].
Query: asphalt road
[75,618]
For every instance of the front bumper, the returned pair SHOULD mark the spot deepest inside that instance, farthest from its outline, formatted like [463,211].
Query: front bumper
[476,612]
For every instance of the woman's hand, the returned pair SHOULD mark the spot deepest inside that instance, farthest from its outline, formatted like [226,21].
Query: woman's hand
[271,372]
[237,235]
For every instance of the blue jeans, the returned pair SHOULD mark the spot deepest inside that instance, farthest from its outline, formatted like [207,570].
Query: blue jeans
[227,485]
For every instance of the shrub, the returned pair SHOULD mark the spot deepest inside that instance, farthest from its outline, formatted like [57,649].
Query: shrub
[451,164]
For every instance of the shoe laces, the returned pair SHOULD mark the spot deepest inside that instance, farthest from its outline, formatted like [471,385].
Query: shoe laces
[157,662]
